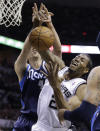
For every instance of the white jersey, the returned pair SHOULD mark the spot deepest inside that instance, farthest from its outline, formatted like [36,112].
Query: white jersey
[47,109]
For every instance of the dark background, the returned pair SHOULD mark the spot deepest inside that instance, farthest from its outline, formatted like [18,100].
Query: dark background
[76,21]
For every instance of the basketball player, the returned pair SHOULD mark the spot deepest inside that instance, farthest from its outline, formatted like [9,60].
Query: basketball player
[31,80]
[47,109]
[89,105]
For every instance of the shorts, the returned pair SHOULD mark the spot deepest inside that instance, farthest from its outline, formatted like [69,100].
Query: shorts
[95,123]
[24,123]
[39,126]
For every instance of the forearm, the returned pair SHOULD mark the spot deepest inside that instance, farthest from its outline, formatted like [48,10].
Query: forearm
[60,101]
[49,56]
[57,43]
[22,58]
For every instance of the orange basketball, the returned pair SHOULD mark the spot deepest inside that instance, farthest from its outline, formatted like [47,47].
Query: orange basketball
[41,38]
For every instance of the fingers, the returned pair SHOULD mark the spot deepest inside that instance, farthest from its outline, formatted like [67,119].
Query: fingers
[50,67]
[51,14]
[44,73]
[35,6]
[35,14]
[45,9]
[41,7]
[42,14]
[56,69]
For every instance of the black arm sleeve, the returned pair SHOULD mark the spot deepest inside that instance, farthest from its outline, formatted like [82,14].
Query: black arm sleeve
[74,115]
[82,114]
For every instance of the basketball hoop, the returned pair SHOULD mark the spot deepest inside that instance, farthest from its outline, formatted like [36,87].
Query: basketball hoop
[10,12]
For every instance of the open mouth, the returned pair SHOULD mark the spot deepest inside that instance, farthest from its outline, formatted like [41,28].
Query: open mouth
[74,63]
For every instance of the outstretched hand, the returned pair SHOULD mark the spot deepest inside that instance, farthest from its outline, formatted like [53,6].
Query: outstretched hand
[35,15]
[42,15]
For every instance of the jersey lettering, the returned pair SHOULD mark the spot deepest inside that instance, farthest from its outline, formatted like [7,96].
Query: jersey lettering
[65,91]
[35,75]
[52,103]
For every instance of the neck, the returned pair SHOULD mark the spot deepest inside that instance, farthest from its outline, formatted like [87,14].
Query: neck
[36,63]
[72,74]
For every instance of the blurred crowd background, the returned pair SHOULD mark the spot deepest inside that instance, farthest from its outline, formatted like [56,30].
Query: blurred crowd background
[75,26]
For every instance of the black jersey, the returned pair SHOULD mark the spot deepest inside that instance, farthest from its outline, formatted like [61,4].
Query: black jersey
[30,86]
[95,123]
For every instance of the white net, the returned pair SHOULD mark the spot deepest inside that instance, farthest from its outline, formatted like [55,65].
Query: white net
[10,12]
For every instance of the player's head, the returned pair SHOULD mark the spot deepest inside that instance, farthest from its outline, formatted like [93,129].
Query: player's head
[33,55]
[81,64]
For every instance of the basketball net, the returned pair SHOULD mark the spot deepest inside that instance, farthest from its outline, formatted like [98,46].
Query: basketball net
[10,12]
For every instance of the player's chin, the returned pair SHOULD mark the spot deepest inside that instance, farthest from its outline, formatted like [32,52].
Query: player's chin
[73,68]
[34,53]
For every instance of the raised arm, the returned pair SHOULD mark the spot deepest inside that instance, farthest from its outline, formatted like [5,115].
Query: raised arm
[57,43]
[21,62]
[48,55]
[46,18]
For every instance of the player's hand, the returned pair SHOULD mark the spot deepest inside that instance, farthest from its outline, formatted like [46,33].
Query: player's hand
[35,15]
[53,77]
[61,115]
[44,15]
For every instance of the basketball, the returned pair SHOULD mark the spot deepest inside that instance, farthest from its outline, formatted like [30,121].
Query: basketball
[41,38]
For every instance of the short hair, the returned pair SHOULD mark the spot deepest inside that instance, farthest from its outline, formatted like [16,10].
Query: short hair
[90,64]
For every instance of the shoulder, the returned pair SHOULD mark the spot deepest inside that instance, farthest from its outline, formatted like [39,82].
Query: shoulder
[78,84]
[95,72]
[78,81]
[94,77]
[62,71]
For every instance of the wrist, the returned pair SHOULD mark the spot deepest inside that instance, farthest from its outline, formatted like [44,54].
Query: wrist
[49,24]
[36,23]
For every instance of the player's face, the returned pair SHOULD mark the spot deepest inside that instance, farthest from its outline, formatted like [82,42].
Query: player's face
[34,53]
[79,64]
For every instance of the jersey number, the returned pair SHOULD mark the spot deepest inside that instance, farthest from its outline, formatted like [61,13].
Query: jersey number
[52,103]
